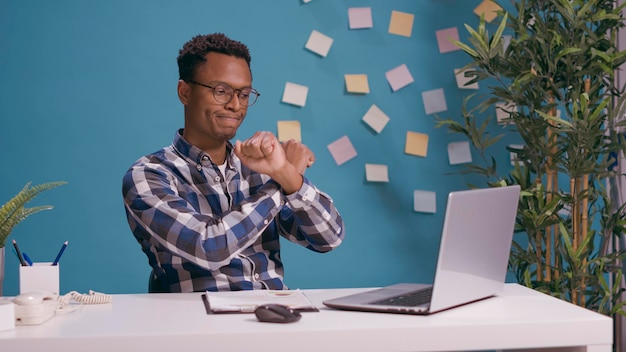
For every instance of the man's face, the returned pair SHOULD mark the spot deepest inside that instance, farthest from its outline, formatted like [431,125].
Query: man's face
[208,122]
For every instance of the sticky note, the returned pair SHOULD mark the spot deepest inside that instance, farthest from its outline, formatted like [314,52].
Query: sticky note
[376,173]
[434,101]
[416,143]
[319,43]
[506,40]
[443,39]
[459,153]
[399,77]
[360,17]
[489,9]
[424,201]
[461,80]
[289,130]
[342,150]
[376,118]
[295,94]
[357,83]
[401,23]
[503,112]
[513,155]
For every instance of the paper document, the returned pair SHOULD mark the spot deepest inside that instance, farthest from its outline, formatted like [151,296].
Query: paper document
[247,301]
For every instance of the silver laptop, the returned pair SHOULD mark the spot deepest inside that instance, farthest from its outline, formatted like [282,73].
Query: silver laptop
[472,262]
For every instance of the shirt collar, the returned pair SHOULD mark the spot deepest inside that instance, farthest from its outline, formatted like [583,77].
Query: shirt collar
[194,154]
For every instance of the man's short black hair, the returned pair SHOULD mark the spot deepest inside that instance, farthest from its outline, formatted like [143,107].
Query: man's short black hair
[194,51]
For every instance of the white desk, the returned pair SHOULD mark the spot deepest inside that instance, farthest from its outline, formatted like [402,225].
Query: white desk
[519,318]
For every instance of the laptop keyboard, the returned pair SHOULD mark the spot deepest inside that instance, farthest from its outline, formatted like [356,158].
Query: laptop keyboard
[409,299]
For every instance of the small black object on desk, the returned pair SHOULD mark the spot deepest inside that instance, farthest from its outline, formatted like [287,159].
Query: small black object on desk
[276,313]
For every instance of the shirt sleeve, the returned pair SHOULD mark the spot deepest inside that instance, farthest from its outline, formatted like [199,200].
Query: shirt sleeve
[154,201]
[311,219]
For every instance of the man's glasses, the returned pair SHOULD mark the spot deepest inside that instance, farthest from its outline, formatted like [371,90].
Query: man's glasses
[223,93]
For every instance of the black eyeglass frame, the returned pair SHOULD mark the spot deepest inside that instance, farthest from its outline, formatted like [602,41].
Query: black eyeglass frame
[238,91]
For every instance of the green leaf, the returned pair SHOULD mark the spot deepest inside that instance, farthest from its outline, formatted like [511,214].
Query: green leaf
[14,211]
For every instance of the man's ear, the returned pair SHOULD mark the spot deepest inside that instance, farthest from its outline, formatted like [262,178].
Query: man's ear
[183,91]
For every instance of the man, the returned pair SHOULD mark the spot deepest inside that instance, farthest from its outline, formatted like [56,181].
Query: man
[208,214]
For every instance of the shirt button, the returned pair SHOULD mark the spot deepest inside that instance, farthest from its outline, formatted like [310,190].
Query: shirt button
[217,179]
[198,167]
[205,158]
[265,222]
[256,276]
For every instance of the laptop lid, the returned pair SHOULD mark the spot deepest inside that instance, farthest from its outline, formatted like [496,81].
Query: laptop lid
[473,254]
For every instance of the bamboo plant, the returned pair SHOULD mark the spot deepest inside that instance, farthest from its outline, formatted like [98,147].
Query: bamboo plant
[15,210]
[555,81]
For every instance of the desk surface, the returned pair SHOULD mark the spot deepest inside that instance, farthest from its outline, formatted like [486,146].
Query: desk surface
[518,318]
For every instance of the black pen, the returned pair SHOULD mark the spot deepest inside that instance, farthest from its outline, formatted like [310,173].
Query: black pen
[19,254]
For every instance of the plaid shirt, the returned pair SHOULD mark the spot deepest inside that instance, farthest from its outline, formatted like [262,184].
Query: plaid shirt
[202,230]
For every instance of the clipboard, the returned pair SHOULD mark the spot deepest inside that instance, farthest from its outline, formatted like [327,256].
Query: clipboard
[248,301]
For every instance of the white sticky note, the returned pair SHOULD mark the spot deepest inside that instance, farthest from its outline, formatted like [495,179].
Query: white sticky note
[342,150]
[399,77]
[319,43]
[506,40]
[376,118]
[295,94]
[434,101]
[513,155]
[425,201]
[459,153]
[376,173]
[503,112]
[461,80]
[360,17]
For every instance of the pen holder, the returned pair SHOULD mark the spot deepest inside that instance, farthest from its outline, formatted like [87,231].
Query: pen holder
[39,277]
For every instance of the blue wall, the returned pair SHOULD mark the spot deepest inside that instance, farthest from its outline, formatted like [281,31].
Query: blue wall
[87,87]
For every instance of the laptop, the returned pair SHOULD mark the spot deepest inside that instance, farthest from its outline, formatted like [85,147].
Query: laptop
[472,261]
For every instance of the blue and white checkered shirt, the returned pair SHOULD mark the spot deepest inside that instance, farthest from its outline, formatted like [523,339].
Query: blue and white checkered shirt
[202,230]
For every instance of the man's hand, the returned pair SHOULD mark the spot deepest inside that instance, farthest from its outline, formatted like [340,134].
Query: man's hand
[298,155]
[263,153]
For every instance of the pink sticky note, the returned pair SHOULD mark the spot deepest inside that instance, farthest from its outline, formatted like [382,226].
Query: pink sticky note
[443,39]
[399,77]
[360,17]
[342,150]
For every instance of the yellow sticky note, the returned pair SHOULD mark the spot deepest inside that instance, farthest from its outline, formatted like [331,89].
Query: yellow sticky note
[401,23]
[416,144]
[357,83]
[489,8]
[289,130]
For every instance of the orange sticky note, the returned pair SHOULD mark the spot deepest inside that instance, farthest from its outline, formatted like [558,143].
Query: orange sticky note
[488,8]
[401,23]
[289,130]
[357,83]
[416,144]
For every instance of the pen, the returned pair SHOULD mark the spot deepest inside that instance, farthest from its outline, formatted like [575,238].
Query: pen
[27,259]
[19,254]
[56,260]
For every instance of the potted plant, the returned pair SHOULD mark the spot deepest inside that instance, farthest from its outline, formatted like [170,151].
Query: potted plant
[555,81]
[15,210]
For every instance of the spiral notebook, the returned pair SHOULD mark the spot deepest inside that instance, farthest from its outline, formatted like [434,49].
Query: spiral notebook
[472,262]
[247,301]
